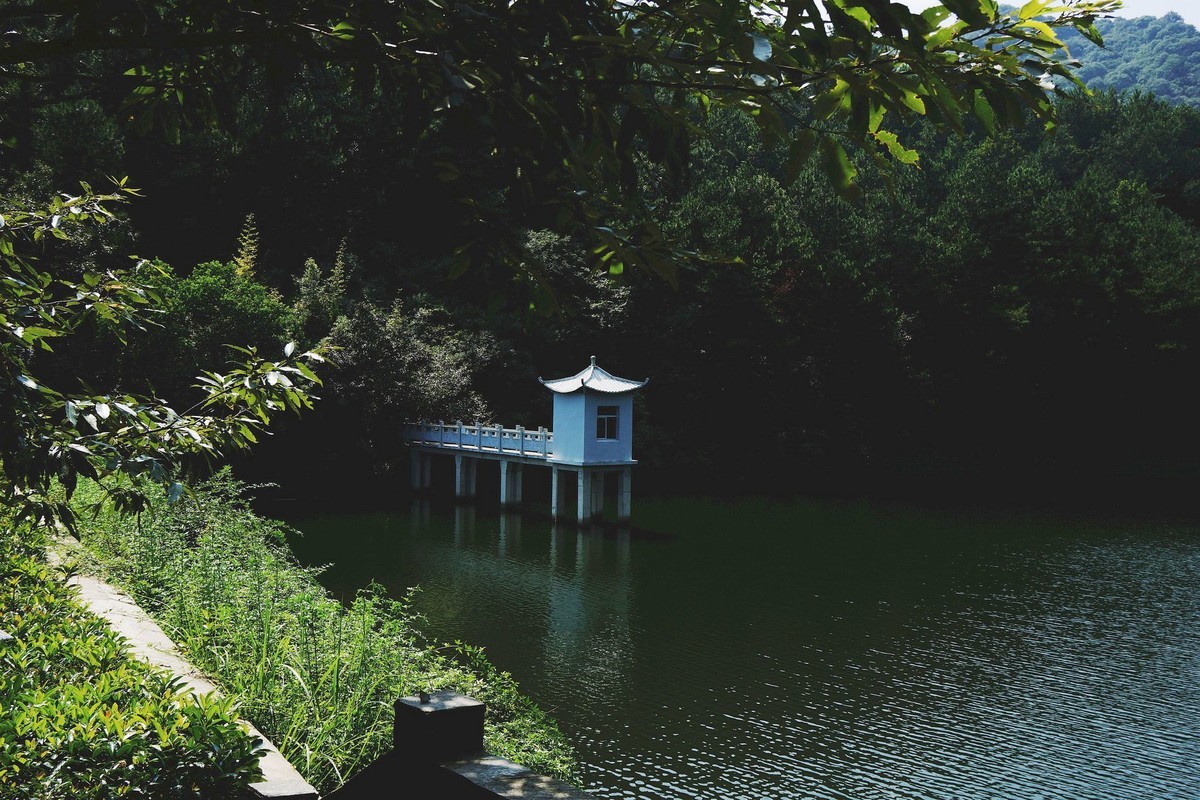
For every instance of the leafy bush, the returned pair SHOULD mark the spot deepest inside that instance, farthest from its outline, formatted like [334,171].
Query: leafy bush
[217,304]
[212,307]
[317,677]
[80,718]
[415,359]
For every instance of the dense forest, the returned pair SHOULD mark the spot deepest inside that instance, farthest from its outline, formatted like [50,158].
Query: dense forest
[1150,54]
[1017,310]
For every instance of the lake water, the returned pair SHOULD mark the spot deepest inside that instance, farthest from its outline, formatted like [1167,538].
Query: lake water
[806,650]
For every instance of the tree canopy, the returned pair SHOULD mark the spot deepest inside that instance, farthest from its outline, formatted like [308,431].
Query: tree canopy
[1015,295]
[1147,54]
[551,97]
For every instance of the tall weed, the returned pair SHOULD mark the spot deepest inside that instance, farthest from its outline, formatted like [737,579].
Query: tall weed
[316,676]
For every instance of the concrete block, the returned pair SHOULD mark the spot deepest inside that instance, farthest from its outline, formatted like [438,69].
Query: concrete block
[437,727]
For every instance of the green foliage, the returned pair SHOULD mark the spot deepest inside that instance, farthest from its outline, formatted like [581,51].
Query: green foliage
[320,300]
[413,359]
[882,329]
[215,305]
[247,255]
[1020,295]
[554,100]
[80,718]
[47,434]
[1160,55]
[569,282]
[73,139]
[316,676]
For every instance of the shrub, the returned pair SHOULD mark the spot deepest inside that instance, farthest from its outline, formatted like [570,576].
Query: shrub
[213,307]
[81,718]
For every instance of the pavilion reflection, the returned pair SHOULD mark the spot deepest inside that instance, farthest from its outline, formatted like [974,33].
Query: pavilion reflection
[578,580]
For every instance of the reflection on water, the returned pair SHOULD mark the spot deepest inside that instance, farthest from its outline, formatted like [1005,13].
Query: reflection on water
[801,650]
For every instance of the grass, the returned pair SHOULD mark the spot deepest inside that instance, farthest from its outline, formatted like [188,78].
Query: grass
[81,718]
[317,677]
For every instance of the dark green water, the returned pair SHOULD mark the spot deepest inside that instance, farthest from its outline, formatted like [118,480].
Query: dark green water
[800,650]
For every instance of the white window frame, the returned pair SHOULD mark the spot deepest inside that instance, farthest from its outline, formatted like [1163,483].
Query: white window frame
[602,422]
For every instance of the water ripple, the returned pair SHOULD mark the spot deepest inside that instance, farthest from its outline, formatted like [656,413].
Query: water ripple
[803,652]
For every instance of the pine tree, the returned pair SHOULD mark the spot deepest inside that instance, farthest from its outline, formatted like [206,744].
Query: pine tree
[247,255]
[337,278]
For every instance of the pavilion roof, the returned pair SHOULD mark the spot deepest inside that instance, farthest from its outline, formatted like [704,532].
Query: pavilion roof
[594,378]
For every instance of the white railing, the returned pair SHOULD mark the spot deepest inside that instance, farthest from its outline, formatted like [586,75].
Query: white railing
[481,438]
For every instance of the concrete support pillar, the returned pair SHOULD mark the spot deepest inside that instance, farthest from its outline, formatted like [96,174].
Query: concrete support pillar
[556,488]
[597,494]
[464,477]
[584,500]
[511,474]
[624,494]
[421,470]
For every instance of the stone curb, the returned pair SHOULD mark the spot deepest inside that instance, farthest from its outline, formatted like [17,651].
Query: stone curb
[147,641]
[511,781]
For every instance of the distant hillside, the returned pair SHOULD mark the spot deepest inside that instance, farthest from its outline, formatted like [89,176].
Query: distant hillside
[1154,54]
